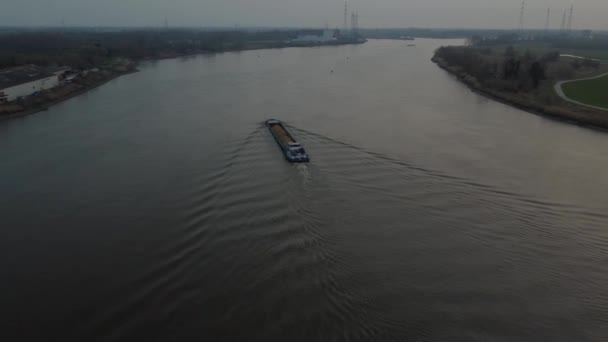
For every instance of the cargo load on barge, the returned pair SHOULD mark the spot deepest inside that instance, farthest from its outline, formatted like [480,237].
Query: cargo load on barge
[293,151]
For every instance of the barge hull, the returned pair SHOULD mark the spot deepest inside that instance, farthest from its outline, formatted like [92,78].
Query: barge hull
[292,150]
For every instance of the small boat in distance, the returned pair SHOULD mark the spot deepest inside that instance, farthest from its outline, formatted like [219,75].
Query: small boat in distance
[293,151]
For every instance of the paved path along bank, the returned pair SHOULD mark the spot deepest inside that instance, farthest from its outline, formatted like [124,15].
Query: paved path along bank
[560,91]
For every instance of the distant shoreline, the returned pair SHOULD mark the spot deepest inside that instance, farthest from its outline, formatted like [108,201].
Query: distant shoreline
[581,117]
[255,48]
[115,75]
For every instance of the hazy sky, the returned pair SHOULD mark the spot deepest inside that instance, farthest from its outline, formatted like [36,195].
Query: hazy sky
[591,14]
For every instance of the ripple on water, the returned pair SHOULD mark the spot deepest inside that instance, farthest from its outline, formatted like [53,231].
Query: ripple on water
[357,246]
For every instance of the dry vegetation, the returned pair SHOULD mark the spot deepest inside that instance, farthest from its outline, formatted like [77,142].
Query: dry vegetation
[524,80]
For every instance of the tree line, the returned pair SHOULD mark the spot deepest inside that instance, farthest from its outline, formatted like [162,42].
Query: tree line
[91,49]
[510,70]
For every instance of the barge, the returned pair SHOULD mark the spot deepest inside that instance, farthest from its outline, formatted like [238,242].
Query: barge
[292,150]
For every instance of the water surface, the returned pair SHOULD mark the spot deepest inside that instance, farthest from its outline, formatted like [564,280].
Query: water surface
[158,208]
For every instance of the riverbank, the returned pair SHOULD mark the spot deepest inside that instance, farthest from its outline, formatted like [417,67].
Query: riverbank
[533,102]
[252,47]
[43,101]
[329,43]
[48,98]
[51,97]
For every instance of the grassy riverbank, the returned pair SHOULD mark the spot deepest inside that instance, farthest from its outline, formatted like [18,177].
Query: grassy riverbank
[593,92]
[524,80]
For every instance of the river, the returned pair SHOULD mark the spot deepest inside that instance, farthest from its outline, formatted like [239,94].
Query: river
[158,208]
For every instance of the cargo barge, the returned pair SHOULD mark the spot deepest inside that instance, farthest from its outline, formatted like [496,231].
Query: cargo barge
[293,151]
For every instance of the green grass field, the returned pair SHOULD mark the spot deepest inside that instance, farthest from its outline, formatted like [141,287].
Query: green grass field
[591,92]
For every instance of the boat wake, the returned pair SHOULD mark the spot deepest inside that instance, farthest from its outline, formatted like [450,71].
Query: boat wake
[265,246]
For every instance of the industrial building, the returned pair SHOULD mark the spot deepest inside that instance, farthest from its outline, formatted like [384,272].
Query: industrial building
[26,80]
[326,37]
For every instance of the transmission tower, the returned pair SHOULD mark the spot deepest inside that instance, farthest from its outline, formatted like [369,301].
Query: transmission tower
[520,25]
[570,18]
[548,22]
[345,16]
[562,28]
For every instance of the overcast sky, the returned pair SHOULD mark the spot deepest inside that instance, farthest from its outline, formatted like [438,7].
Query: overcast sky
[591,14]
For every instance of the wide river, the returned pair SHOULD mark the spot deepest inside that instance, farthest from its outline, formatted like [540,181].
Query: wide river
[158,208]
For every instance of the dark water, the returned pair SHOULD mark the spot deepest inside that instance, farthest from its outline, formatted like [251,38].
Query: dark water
[158,208]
